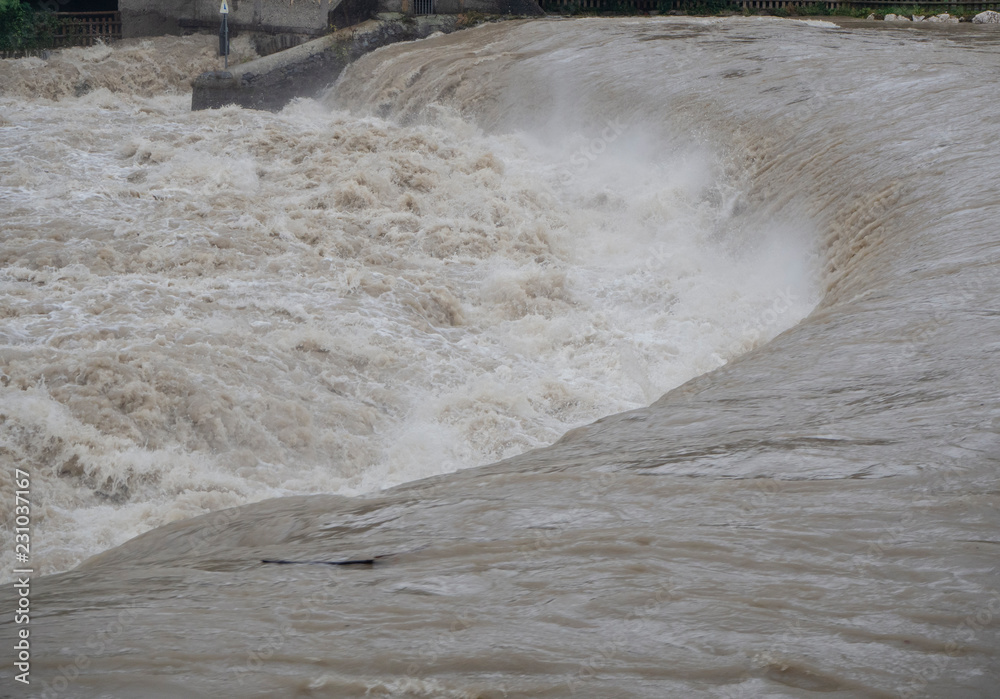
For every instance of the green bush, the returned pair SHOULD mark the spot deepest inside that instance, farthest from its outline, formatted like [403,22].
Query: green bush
[22,28]
[15,25]
[819,9]
[816,9]
[698,7]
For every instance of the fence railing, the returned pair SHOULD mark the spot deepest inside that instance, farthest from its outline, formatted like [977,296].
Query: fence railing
[423,7]
[86,28]
[63,29]
[964,7]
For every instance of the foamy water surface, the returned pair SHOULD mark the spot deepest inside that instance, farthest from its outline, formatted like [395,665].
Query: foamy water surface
[206,309]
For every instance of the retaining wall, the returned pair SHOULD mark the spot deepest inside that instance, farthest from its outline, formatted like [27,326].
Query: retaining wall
[154,17]
[269,83]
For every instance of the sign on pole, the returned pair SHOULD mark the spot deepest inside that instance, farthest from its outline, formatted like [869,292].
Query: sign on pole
[224,32]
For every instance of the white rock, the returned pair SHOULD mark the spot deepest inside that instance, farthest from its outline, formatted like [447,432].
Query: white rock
[870,17]
[918,18]
[988,17]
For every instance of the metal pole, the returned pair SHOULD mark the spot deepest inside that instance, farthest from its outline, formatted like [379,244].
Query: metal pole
[224,32]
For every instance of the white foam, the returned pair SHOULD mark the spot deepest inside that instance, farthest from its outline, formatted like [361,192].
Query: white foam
[226,306]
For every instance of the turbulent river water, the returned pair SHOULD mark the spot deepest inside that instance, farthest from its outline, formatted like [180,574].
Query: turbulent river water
[472,247]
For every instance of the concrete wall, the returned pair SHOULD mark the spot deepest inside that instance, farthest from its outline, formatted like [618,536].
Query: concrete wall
[144,18]
[291,16]
[155,17]
[451,7]
[271,82]
[308,17]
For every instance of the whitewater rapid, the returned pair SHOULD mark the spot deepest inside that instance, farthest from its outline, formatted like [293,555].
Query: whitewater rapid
[207,309]
[472,245]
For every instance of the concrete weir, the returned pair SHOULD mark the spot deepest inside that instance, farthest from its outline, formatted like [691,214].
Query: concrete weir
[271,82]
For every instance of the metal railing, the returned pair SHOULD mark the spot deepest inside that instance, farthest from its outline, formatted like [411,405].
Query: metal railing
[963,7]
[423,7]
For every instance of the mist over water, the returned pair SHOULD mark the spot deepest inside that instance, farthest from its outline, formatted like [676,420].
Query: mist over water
[471,246]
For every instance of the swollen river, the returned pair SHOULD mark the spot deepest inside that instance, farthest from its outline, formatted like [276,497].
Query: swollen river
[767,249]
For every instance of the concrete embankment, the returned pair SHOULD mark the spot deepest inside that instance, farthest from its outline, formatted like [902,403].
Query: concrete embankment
[271,82]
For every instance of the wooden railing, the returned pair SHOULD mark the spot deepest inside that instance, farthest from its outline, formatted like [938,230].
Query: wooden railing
[86,28]
[62,29]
